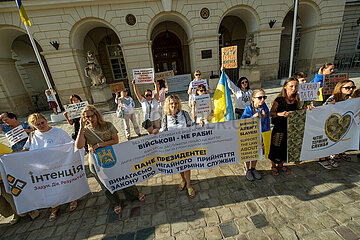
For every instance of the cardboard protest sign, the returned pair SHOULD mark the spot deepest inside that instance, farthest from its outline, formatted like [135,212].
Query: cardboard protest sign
[203,105]
[74,110]
[229,57]
[309,91]
[15,135]
[171,152]
[143,76]
[117,87]
[162,75]
[331,80]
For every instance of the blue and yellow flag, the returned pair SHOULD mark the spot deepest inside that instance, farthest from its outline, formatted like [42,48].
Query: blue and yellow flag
[23,14]
[223,108]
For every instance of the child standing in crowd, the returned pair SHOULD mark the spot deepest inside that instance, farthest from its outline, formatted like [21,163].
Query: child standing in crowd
[50,97]
[257,109]
[127,103]
[342,91]
[151,109]
[203,118]
[194,84]
[163,90]
[43,137]
[99,134]
[325,69]
[300,76]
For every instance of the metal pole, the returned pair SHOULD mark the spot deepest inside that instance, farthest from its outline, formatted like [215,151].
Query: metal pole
[293,38]
[41,63]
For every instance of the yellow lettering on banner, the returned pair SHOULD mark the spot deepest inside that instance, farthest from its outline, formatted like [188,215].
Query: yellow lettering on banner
[249,139]
[166,158]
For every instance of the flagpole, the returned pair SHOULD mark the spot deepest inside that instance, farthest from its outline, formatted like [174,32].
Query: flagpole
[41,64]
[293,38]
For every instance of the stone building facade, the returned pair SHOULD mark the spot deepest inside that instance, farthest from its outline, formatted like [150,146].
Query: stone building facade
[165,34]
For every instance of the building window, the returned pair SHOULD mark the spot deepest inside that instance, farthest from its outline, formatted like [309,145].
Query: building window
[117,62]
[357,47]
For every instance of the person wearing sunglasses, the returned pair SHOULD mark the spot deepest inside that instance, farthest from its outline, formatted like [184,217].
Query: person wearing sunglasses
[99,134]
[43,137]
[242,94]
[176,118]
[342,91]
[194,84]
[127,104]
[150,107]
[203,118]
[257,109]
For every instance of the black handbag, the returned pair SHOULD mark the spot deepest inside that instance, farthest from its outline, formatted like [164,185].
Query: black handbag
[146,124]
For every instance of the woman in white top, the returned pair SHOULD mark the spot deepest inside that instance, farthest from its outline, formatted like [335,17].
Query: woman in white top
[151,109]
[127,103]
[242,94]
[43,137]
[194,84]
[203,117]
[176,118]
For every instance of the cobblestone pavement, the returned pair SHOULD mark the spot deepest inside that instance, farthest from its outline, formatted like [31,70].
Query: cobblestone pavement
[310,203]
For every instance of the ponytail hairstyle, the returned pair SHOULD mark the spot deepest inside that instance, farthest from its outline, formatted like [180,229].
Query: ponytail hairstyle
[326,65]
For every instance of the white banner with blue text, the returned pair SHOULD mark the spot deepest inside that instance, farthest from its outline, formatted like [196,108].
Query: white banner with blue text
[45,177]
[122,165]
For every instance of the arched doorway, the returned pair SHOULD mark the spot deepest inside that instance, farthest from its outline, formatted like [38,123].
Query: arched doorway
[305,35]
[22,84]
[232,33]
[170,48]
[104,42]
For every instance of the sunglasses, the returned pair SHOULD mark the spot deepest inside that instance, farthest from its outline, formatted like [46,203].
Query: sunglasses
[244,82]
[147,95]
[261,97]
[348,88]
[202,90]
[197,74]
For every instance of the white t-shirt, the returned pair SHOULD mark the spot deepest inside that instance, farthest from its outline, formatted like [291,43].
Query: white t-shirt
[242,99]
[128,105]
[177,122]
[162,96]
[50,98]
[54,136]
[194,84]
[151,109]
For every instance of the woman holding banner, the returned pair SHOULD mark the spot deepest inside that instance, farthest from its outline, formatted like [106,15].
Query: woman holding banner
[342,91]
[257,109]
[99,134]
[176,118]
[287,100]
[150,107]
[43,137]
[203,119]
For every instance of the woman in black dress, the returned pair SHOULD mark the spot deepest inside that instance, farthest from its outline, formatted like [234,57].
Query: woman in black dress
[287,100]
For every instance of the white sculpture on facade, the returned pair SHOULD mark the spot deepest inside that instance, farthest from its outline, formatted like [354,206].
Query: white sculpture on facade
[93,70]
[251,52]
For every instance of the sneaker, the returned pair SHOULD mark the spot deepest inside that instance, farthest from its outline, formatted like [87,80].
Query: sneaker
[249,175]
[255,173]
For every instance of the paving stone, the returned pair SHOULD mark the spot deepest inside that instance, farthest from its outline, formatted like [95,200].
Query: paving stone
[91,202]
[87,223]
[159,218]
[339,215]
[34,234]
[145,234]
[100,220]
[242,237]
[113,217]
[163,231]
[144,221]
[182,236]
[196,222]
[130,224]
[60,230]
[212,233]
[259,221]
[76,215]
[46,232]
[126,236]
[355,227]
[257,234]
[346,233]
[197,234]
[98,230]
[244,225]
[239,210]
[329,234]
[272,233]
[113,229]
[74,226]
[211,218]
[23,227]
[287,233]
[327,220]
[228,229]
[178,227]
[225,214]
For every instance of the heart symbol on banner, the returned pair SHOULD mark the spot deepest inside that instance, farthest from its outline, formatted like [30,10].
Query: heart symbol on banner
[336,126]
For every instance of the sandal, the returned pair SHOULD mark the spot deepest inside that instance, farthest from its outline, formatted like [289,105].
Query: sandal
[52,216]
[181,186]
[274,171]
[141,197]
[333,163]
[191,192]
[325,163]
[117,209]
[285,170]
[73,205]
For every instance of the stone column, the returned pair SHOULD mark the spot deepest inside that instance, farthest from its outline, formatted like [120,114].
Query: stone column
[13,96]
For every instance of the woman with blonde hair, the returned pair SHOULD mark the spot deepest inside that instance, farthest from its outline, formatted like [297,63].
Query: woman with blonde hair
[176,118]
[43,137]
[98,134]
